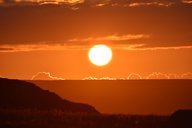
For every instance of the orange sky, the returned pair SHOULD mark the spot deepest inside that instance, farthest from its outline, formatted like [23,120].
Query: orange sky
[150,39]
[55,36]
[74,64]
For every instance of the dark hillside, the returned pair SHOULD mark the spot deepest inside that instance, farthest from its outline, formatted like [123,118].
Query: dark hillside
[16,94]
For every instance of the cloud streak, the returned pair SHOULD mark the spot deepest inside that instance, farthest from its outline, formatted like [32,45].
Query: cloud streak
[40,2]
[85,46]
[167,4]
[30,47]
[112,38]
[58,27]
[187,1]
[98,3]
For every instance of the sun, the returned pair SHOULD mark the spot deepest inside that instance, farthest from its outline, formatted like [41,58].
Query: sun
[100,55]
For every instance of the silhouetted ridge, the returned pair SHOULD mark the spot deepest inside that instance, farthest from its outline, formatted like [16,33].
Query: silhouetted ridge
[17,94]
[181,119]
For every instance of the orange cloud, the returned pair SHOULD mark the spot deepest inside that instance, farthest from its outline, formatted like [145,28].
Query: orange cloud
[112,38]
[99,3]
[135,4]
[173,76]
[187,1]
[134,76]
[68,46]
[1,1]
[159,75]
[156,75]
[38,47]
[187,75]
[143,47]
[102,78]
[50,1]
[45,76]
[1,76]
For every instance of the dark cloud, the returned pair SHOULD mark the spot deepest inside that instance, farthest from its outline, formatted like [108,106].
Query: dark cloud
[91,3]
[6,49]
[58,24]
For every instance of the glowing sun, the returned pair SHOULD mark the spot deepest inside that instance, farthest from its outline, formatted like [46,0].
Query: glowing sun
[100,55]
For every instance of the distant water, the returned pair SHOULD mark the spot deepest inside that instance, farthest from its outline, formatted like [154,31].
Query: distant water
[161,97]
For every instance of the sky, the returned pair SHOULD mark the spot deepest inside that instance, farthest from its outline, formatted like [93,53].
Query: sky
[50,39]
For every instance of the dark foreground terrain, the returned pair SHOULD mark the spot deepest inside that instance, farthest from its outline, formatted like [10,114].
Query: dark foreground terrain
[25,105]
[31,118]
[58,119]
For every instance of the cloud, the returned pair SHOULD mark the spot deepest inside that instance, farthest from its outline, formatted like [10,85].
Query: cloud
[187,75]
[45,76]
[84,46]
[144,47]
[132,3]
[156,75]
[187,1]
[134,76]
[112,38]
[95,78]
[173,76]
[6,49]
[41,2]
[167,4]
[97,3]
[39,47]
[61,27]
[1,76]
[1,1]
[159,75]
[28,47]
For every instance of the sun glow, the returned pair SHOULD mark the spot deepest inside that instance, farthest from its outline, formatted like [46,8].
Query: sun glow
[100,55]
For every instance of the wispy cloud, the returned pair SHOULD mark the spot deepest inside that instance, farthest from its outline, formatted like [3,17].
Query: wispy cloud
[63,28]
[114,37]
[40,2]
[187,1]
[28,47]
[45,76]
[136,4]
[50,1]
[144,47]
[76,43]
[84,46]
[98,3]
[39,47]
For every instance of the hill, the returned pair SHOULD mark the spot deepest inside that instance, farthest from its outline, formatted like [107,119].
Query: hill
[17,94]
